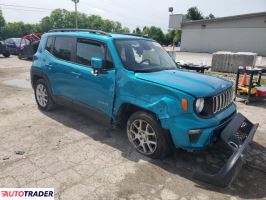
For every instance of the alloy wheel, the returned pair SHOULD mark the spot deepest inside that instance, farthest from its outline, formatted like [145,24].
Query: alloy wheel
[142,136]
[41,95]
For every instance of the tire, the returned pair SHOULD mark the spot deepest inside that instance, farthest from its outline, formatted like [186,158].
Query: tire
[149,136]
[6,54]
[43,96]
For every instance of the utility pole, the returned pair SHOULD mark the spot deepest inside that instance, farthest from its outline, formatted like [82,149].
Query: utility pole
[76,11]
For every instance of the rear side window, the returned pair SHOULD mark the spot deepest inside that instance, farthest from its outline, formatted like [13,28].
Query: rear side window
[87,49]
[50,44]
[63,48]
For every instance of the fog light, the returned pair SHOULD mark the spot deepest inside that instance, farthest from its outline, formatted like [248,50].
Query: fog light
[194,135]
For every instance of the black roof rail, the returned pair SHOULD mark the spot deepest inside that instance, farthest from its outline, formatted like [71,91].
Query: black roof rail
[81,30]
[133,34]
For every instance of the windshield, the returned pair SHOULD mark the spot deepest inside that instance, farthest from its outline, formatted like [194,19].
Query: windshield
[143,55]
[16,40]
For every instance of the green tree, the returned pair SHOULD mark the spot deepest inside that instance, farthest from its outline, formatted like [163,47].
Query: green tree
[211,16]
[194,13]
[2,24]
[2,20]
[154,33]
[18,29]
[137,31]
[61,18]
[177,37]
[125,30]
[46,24]
[172,37]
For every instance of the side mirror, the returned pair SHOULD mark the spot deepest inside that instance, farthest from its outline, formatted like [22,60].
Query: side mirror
[97,63]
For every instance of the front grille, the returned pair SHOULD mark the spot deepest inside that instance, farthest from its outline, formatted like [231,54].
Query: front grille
[216,104]
[221,101]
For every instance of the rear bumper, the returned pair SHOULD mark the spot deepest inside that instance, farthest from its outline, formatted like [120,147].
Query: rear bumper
[237,135]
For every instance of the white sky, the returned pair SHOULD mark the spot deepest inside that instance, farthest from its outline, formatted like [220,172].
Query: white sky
[131,13]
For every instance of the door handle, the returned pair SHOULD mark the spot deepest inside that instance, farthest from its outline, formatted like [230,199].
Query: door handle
[76,74]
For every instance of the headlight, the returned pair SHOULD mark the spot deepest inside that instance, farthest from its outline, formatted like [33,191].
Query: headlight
[199,105]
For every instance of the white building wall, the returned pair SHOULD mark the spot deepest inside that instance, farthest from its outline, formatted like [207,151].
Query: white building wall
[227,39]
[238,35]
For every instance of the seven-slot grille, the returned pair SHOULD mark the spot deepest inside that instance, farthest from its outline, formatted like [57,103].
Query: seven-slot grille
[221,101]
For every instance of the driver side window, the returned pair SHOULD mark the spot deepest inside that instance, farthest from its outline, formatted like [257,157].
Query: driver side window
[86,49]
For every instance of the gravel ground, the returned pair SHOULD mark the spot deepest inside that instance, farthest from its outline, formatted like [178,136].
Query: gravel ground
[83,159]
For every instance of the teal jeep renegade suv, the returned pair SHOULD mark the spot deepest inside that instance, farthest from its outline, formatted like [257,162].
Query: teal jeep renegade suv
[132,81]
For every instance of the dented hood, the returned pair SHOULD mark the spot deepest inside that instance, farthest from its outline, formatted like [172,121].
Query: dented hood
[196,84]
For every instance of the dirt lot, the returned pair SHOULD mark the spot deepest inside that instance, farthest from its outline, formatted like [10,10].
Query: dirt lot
[82,159]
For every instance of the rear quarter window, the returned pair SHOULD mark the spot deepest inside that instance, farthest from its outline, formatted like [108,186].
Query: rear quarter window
[64,48]
[49,44]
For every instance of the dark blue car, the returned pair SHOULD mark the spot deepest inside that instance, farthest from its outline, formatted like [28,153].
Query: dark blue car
[13,45]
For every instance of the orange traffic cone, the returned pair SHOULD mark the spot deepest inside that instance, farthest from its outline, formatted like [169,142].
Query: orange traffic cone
[244,80]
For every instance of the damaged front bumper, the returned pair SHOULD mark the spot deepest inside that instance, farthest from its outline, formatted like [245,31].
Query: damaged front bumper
[237,135]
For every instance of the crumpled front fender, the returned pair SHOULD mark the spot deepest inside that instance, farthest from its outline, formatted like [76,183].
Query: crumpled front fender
[164,107]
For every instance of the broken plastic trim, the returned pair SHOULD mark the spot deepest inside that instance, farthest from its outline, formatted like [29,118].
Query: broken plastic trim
[230,135]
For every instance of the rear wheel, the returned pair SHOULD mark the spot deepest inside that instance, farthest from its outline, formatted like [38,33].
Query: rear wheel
[146,135]
[43,96]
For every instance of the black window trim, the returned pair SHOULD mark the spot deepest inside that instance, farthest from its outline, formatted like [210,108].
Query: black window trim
[51,53]
[73,49]
[74,61]
[106,49]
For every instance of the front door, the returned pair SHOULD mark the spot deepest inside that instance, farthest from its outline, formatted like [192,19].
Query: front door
[94,90]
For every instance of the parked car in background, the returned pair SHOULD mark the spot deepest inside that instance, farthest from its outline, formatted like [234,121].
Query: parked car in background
[13,45]
[29,45]
[3,49]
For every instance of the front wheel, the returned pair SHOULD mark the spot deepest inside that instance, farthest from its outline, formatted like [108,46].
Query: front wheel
[6,54]
[146,135]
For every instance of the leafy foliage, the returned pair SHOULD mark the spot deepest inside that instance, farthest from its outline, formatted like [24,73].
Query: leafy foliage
[61,18]
[2,23]
[18,29]
[211,16]
[170,38]
[2,20]
[194,13]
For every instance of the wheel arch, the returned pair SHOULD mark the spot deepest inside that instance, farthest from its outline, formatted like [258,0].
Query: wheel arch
[38,74]
[127,109]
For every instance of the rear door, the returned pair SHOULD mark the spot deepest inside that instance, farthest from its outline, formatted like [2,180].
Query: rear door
[59,61]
